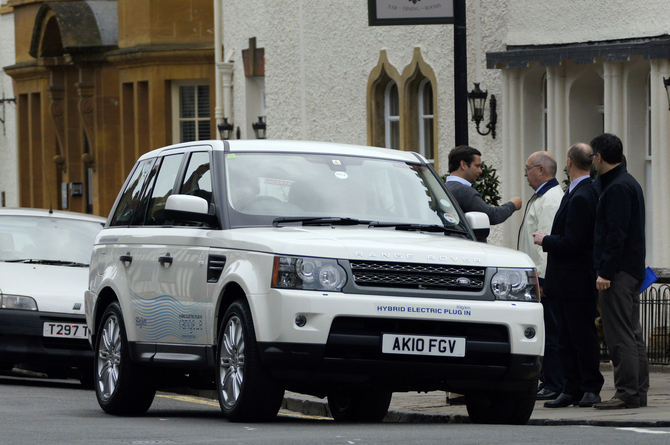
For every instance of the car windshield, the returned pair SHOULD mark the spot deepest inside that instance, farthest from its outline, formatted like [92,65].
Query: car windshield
[313,188]
[47,240]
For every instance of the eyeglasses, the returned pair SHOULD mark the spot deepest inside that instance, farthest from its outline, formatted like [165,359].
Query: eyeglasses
[531,167]
[592,155]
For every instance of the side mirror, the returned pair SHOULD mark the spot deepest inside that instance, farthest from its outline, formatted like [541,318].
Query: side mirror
[480,224]
[187,208]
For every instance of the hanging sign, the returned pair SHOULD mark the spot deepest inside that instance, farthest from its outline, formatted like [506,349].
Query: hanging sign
[410,12]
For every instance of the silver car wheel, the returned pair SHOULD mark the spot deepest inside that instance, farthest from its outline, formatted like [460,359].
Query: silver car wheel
[109,358]
[232,362]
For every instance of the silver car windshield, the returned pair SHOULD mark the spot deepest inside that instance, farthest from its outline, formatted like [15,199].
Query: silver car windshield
[47,240]
[275,185]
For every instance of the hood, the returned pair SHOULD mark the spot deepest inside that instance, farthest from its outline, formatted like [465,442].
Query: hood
[375,244]
[54,288]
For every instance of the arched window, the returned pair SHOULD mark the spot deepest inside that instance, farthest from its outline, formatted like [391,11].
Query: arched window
[392,116]
[426,119]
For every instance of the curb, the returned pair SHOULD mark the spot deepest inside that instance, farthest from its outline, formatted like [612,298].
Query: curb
[319,408]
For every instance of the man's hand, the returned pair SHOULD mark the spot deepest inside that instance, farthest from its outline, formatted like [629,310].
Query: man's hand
[538,237]
[517,202]
[603,284]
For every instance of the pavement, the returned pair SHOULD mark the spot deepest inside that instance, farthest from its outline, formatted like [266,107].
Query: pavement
[432,407]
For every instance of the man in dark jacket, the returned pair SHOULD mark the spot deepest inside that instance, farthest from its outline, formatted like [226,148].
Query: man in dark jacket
[465,166]
[619,258]
[570,283]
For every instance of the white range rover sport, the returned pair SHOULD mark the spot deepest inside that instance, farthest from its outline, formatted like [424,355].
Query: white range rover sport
[346,272]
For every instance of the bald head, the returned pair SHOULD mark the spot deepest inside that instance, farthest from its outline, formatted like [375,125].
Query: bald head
[580,155]
[546,160]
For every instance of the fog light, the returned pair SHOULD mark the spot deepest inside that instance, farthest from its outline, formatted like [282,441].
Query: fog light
[300,321]
[529,333]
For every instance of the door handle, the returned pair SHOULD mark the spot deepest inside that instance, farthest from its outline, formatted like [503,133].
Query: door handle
[127,259]
[166,260]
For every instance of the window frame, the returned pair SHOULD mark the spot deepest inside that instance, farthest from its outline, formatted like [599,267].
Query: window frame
[423,150]
[388,118]
[176,86]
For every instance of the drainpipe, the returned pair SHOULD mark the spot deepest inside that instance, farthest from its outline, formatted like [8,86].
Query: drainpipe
[218,58]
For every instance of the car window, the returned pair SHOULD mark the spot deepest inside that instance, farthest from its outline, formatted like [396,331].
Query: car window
[169,167]
[198,179]
[24,238]
[263,186]
[125,210]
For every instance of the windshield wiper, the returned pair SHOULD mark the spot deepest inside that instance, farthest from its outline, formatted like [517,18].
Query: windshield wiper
[49,262]
[320,221]
[419,227]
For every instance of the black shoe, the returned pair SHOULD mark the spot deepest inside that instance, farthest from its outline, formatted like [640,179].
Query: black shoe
[643,400]
[589,399]
[562,401]
[546,394]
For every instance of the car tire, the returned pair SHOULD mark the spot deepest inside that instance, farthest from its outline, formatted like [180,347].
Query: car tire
[368,406]
[511,408]
[122,387]
[245,390]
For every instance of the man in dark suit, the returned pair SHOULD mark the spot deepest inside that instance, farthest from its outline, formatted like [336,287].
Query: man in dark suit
[570,282]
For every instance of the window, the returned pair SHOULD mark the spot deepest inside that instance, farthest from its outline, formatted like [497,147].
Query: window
[392,116]
[125,210]
[169,167]
[426,119]
[191,111]
[198,180]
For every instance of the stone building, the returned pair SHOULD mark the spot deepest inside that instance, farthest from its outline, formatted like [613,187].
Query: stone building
[99,83]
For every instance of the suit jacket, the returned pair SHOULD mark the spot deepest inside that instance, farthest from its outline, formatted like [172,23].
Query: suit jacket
[570,271]
[470,200]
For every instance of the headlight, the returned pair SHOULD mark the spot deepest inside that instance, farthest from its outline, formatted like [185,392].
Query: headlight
[17,302]
[515,284]
[308,273]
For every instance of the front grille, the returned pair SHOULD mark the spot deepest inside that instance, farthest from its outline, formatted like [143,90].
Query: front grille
[418,276]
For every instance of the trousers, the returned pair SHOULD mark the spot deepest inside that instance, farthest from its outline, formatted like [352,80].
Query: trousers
[620,312]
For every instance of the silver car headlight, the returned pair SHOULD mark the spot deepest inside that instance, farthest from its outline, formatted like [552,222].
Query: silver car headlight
[516,285]
[17,302]
[308,273]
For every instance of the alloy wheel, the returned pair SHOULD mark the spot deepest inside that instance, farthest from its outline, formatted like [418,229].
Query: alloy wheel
[232,361]
[109,358]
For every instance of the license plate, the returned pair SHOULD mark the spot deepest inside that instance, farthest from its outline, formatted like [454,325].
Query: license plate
[65,330]
[423,345]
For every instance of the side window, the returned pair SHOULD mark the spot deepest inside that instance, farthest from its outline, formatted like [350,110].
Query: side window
[165,180]
[125,210]
[198,180]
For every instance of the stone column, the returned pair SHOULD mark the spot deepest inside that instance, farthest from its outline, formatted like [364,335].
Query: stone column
[658,213]
[614,98]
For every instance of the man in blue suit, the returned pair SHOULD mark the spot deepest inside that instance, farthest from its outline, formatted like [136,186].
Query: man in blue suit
[570,282]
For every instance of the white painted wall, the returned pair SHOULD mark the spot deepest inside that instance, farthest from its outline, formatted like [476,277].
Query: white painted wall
[533,22]
[8,146]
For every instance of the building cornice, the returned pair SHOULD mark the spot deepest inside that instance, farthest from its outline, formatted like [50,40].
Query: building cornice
[580,53]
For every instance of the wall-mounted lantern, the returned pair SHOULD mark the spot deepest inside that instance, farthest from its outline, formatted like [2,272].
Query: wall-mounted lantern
[260,127]
[477,100]
[226,129]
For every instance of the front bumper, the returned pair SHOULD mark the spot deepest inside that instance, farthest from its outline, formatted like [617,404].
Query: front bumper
[22,341]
